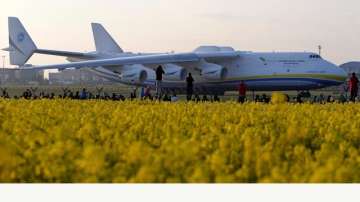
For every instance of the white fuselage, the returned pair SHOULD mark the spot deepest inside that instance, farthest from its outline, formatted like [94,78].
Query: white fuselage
[215,68]
[260,71]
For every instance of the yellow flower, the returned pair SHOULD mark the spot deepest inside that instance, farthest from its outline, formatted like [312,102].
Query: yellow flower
[98,141]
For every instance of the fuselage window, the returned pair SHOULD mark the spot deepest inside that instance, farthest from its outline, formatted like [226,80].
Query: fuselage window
[315,56]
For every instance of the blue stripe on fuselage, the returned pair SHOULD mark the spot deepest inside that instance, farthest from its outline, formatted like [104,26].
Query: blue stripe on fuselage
[260,84]
[253,84]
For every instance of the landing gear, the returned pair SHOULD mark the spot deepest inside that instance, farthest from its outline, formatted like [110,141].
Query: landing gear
[303,95]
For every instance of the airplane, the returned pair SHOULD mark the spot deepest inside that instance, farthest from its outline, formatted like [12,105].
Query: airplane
[216,69]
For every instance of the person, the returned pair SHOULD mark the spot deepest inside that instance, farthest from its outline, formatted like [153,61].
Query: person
[287,98]
[30,95]
[135,92]
[52,96]
[342,98]
[91,96]
[265,99]
[330,99]
[190,87]
[174,98]
[321,99]
[4,92]
[242,92]
[166,98]
[299,99]
[197,98]
[114,97]
[142,93]
[147,94]
[27,94]
[354,87]
[257,98]
[107,96]
[122,98]
[132,96]
[205,98]
[83,94]
[159,77]
[41,95]
[216,98]
[315,99]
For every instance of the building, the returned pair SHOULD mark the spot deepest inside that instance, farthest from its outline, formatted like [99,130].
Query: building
[74,76]
[351,67]
[13,76]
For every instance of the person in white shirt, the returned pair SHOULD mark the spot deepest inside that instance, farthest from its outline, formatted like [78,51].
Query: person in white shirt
[174,98]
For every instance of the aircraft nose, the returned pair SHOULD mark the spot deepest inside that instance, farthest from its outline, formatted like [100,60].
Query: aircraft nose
[341,73]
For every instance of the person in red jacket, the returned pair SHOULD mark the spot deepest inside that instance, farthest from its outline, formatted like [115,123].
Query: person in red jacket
[354,87]
[242,92]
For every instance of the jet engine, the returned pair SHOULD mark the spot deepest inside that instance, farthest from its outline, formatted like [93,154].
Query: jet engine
[174,72]
[134,74]
[212,71]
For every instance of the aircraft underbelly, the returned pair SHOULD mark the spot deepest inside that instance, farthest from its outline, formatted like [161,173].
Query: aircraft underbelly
[259,84]
[278,84]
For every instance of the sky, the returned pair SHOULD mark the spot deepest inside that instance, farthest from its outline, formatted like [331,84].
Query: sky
[183,25]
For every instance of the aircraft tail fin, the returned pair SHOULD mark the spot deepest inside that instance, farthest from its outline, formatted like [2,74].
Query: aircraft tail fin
[103,40]
[22,47]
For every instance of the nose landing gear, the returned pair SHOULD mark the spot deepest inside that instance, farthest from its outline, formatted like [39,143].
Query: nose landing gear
[304,94]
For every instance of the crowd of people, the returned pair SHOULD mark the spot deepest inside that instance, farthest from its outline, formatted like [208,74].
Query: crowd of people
[146,93]
[84,94]
[31,94]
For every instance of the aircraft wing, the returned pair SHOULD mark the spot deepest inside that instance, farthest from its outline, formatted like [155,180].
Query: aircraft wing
[64,53]
[145,60]
[58,53]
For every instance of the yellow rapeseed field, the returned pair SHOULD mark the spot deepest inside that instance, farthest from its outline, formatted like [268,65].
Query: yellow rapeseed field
[103,141]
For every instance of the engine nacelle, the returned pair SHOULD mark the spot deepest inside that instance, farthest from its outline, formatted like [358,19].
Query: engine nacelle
[174,72]
[134,74]
[212,71]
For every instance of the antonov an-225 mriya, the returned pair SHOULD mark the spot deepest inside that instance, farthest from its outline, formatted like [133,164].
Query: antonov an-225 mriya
[215,69]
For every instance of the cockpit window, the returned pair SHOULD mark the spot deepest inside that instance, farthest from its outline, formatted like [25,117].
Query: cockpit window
[315,56]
